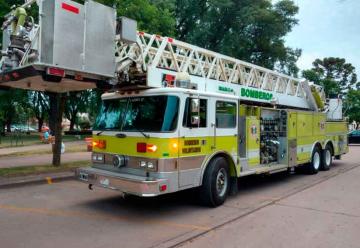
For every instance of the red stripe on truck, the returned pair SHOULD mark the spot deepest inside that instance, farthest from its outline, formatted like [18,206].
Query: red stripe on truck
[70,8]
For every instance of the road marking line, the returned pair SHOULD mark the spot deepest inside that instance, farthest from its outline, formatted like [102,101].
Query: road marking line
[96,216]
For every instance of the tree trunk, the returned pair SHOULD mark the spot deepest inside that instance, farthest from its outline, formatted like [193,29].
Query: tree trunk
[72,124]
[8,126]
[40,124]
[52,111]
[57,104]
[2,130]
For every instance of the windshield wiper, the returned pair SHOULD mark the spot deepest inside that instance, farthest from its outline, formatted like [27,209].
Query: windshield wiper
[142,132]
[106,129]
[145,135]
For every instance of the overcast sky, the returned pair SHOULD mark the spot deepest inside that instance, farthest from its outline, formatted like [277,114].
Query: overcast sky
[327,28]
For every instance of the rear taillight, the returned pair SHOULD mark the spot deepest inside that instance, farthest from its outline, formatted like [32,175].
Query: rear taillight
[55,72]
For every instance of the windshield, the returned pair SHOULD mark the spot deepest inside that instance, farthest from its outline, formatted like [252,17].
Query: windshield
[133,114]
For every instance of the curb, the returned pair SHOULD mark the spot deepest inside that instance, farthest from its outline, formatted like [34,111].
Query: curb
[13,182]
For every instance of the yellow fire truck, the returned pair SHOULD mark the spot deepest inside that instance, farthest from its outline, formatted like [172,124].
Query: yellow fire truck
[176,116]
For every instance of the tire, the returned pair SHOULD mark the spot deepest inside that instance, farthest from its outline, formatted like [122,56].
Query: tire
[314,165]
[326,158]
[216,183]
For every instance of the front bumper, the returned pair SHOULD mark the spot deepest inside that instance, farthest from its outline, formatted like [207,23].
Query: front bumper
[126,183]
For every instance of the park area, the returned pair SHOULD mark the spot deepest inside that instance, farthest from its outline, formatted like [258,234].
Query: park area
[26,154]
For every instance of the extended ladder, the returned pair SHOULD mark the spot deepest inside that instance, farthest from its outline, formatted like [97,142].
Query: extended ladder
[155,55]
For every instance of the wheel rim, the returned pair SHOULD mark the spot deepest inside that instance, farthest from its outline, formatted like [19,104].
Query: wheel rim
[328,157]
[316,160]
[221,182]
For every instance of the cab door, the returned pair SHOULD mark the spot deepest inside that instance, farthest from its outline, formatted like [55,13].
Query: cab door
[194,141]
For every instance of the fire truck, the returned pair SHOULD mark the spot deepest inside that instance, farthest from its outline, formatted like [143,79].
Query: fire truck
[174,116]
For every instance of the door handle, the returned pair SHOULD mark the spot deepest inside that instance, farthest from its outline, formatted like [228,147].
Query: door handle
[214,144]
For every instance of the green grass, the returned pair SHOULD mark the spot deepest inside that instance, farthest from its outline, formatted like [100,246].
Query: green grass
[35,170]
[10,140]
[70,149]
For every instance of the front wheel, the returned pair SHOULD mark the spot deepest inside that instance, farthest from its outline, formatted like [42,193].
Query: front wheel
[216,182]
[314,165]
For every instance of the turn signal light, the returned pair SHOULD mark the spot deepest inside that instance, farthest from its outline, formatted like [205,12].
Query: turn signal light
[151,148]
[101,144]
[175,145]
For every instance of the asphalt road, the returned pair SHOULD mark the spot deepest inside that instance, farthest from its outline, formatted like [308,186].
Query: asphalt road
[321,210]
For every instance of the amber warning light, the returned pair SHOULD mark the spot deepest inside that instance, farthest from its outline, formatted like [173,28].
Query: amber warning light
[101,144]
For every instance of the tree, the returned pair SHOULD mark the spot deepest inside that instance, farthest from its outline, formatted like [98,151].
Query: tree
[77,102]
[39,105]
[94,104]
[56,110]
[151,17]
[352,105]
[12,104]
[251,30]
[334,74]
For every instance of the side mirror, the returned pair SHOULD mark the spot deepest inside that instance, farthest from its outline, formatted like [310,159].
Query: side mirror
[195,112]
[195,120]
[195,106]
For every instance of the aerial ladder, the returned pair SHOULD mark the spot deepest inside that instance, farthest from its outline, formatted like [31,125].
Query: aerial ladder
[75,47]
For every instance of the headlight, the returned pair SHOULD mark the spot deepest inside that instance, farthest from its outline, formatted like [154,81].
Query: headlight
[143,164]
[148,165]
[98,158]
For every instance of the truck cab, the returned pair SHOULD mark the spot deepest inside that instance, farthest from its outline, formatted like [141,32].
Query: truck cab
[159,141]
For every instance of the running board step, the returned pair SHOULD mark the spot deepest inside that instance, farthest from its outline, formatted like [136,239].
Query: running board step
[271,169]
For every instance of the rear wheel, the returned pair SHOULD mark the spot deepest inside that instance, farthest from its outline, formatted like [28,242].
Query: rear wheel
[216,182]
[314,165]
[326,159]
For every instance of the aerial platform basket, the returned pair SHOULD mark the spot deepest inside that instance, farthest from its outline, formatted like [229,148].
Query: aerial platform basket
[70,49]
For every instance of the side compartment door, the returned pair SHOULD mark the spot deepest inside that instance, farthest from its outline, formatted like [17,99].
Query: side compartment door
[305,136]
[194,141]
[253,141]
